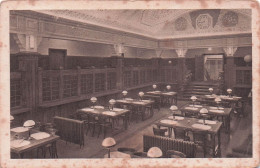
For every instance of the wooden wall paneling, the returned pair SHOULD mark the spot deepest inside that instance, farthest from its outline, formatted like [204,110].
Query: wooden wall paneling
[79,81]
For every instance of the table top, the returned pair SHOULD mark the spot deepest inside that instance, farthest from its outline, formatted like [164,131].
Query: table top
[105,112]
[33,143]
[117,154]
[222,97]
[221,111]
[135,102]
[193,124]
[162,93]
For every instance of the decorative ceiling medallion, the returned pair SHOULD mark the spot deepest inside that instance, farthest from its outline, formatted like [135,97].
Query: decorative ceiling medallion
[230,19]
[204,21]
[180,24]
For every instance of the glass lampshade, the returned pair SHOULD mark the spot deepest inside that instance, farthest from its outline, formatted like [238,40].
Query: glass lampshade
[141,94]
[154,152]
[29,123]
[248,58]
[112,101]
[108,142]
[93,99]
[204,111]
[173,108]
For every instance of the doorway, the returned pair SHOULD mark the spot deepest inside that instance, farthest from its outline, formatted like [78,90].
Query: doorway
[213,65]
[57,58]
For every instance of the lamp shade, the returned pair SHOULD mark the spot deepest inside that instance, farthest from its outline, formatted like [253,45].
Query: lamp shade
[217,99]
[29,123]
[248,58]
[124,92]
[204,111]
[154,86]
[141,94]
[154,152]
[229,91]
[168,87]
[193,98]
[93,99]
[112,102]
[210,89]
[108,142]
[173,108]
[11,118]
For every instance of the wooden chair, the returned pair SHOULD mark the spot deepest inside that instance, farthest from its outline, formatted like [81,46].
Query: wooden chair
[180,134]
[103,125]
[175,154]
[159,131]
[139,155]
[129,151]
[200,138]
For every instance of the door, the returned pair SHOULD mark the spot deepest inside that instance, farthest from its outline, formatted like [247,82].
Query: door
[213,65]
[199,68]
[57,58]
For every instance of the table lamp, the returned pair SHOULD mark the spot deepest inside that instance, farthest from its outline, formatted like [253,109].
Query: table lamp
[29,124]
[112,102]
[154,86]
[168,87]
[203,113]
[173,109]
[93,100]
[11,118]
[211,90]
[108,143]
[141,94]
[217,100]
[124,93]
[154,152]
[229,92]
[193,98]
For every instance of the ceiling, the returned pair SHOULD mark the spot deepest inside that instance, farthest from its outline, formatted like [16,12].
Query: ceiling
[164,24]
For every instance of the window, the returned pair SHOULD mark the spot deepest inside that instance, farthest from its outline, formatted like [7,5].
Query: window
[111,80]
[142,77]
[86,83]
[70,85]
[127,78]
[99,82]
[155,73]
[244,77]
[135,78]
[16,96]
[50,88]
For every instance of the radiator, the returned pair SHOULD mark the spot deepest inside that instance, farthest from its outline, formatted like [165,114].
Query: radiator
[165,144]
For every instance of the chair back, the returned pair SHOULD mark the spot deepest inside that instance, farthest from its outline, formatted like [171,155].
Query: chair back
[175,154]
[159,131]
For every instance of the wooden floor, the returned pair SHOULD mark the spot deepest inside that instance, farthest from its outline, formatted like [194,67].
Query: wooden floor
[241,127]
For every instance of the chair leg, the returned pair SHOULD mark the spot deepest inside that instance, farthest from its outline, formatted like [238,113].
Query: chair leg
[93,131]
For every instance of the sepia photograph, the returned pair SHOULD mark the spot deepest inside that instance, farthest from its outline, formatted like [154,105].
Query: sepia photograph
[130,84]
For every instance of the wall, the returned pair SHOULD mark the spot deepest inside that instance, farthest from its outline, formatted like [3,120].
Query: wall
[75,48]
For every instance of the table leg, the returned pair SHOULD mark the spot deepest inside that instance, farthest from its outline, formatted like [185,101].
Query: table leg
[213,144]
[219,143]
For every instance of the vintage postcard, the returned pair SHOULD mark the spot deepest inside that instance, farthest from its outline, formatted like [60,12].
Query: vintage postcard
[132,83]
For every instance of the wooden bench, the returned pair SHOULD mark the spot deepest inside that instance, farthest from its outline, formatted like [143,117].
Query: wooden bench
[70,130]
[165,144]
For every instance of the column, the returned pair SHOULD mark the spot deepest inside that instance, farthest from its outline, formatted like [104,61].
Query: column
[28,64]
